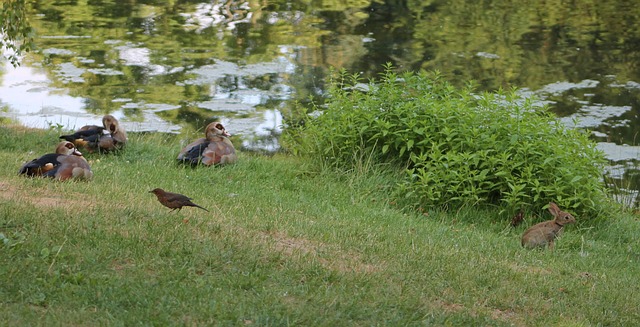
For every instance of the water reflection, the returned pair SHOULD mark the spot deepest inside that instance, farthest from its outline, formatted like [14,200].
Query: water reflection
[32,102]
[162,66]
[206,15]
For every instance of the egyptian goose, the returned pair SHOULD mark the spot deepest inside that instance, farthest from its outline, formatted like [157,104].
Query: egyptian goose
[66,163]
[109,137]
[214,149]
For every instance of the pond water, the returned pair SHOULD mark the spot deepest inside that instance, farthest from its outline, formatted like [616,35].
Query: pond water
[163,66]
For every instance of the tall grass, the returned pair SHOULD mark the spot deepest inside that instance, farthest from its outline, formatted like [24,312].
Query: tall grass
[282,245]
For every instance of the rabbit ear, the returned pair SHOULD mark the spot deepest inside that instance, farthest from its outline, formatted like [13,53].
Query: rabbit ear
[553,208]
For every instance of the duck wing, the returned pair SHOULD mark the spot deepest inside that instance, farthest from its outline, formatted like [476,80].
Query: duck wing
[219,152]
[192,153]
[40,166]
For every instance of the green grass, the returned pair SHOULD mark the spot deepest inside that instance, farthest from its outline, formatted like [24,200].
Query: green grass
[282,246]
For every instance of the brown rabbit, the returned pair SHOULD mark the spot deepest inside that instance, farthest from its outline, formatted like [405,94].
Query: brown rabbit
[546,232]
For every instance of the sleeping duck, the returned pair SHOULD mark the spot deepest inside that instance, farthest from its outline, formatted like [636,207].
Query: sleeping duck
[108,137]
[66,163]
[214,149]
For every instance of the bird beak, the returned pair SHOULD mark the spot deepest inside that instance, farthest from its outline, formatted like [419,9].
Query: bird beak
[77,153]
[225,133]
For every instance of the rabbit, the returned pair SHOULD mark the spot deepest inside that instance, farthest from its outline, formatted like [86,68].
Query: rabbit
[546,232]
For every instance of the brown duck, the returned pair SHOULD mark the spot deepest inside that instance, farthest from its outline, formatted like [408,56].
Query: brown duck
[174,200]
[108,137]
[214,149]
[66,163]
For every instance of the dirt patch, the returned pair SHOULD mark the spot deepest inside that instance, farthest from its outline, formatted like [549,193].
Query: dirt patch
[122,264]
[40,197]
[509,316]
[6,189]
[530,269]
[504,315]
[289,245]
[448,306]
[328,256]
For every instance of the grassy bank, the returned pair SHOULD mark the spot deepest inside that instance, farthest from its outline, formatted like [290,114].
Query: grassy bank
[281,246]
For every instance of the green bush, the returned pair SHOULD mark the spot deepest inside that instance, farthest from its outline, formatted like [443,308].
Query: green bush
[458,147]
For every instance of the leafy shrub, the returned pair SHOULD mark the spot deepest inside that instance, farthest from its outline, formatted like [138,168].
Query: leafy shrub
[457,147]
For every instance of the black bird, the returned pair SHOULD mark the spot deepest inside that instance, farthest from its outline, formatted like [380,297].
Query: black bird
[174,200]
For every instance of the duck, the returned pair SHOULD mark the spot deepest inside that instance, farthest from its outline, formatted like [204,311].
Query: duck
[106,138]
[66,163]
[214,149]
